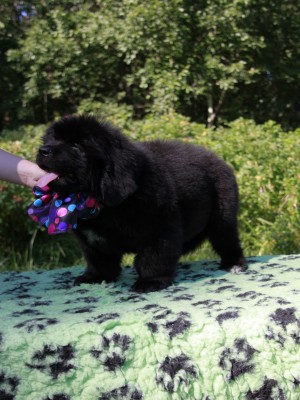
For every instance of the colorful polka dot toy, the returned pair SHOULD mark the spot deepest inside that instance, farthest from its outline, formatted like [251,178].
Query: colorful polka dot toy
[58,213]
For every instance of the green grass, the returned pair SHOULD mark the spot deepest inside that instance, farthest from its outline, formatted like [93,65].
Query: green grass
[65,254]
[41,253]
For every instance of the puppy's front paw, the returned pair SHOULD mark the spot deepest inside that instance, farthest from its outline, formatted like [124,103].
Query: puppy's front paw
[84,278]
[240,265]
[236,269]
[151,285]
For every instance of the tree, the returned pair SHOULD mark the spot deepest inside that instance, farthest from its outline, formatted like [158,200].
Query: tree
[10,32]
[65,57]
[213,60]
[188,52]
[274,92]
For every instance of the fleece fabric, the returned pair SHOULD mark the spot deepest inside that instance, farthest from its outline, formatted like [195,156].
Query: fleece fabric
[211,335]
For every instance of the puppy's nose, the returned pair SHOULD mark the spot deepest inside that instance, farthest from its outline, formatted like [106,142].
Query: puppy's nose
[45,151]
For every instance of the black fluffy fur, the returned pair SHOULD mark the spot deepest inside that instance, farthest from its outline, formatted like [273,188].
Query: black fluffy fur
[159,200]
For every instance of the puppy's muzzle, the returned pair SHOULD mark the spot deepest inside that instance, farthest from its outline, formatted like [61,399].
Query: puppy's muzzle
[45,151]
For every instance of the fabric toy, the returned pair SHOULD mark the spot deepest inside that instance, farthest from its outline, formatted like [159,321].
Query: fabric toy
[59,214]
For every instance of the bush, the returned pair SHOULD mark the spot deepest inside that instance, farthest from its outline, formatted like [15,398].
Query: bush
[264,157]
[14,225]
[266,163]
[23,244]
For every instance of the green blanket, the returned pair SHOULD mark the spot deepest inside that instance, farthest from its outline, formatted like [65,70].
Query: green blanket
[212,335]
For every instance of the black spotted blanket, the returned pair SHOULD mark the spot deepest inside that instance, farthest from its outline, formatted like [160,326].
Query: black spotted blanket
[212,335]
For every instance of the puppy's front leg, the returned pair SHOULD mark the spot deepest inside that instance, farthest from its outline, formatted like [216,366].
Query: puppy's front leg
[100,267]
[156,265]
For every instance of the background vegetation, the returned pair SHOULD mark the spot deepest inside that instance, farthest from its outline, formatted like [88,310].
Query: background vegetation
[265,158]
[211,60]
[220,73]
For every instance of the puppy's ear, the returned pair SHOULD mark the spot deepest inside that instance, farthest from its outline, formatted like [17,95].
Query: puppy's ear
[115,163]
[117,184]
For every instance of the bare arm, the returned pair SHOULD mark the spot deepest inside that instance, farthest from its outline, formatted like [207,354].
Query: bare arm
[14,169]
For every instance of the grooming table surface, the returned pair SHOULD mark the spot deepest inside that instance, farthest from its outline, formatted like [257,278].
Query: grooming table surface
[211,335]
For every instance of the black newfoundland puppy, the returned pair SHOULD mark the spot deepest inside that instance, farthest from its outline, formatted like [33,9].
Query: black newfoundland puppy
[158,199]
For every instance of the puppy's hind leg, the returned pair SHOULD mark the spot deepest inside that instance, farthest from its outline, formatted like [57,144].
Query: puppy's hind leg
[156,265]
[223,227]
[225,241]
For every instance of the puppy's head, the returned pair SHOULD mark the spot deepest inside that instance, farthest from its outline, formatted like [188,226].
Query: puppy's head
[91,156]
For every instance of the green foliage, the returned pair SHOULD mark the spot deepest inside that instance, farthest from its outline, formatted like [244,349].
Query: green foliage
[264,157]
[213,61]
[151,68]
[266,162]
[119,115]
[11,82]
[24,245]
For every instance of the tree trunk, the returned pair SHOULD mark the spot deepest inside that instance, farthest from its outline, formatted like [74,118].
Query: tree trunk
[210,110]
[213,113]
[45,107]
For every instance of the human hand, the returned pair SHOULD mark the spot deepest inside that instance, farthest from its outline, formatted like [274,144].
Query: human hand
[17,170]
[29,173]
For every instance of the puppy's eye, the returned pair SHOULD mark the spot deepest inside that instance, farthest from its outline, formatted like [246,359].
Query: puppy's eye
[76,146]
